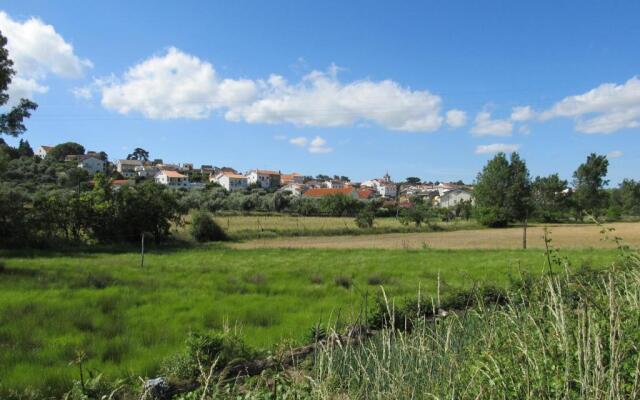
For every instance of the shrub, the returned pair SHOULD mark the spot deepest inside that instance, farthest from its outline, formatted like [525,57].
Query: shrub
[364,219]
[205,229]
[211,348]
[343,281]
[2,266]
[375,280]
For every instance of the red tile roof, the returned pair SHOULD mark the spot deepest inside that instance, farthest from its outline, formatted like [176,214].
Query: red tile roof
[322,192]
[173,174]
[365,193]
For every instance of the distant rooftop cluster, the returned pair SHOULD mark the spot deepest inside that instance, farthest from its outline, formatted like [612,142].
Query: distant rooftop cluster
[187,176]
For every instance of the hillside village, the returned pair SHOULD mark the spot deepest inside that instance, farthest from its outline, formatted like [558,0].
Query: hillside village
[185,176]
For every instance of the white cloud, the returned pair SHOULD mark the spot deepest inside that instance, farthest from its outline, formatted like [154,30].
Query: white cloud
[522,113]
[37,50]
[485,126]
[318,146]
[300,141]
[497,148]
[321,100]
[615,154]
[174,85]
[456,118]
[605,109]
[178,85]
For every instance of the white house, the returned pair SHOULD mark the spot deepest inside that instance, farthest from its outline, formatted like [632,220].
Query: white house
[384,186]
[42,151]
[92,165]
[127,168]
[387,190]
[172,179]
[334,184]
[230,181]
[146,171]
[263,178]
[452,197]
[296,189]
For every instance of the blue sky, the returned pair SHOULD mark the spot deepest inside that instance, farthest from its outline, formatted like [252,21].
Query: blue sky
[428,88]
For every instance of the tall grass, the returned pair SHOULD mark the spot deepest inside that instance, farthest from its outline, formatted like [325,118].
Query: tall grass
[562,336]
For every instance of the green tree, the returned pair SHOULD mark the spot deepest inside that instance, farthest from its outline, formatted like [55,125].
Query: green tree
[589,181]
[139,154]
[490,192]
[628,197]
[412,180]
[60,151]
[365,218]
[11,123]
[550,198]
[24,149]
[503,192]
[519,193]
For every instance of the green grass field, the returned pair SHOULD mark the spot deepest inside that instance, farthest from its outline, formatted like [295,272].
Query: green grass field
[264,226]
[129,319]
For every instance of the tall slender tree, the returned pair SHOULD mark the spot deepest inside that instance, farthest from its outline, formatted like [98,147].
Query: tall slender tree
[589,181]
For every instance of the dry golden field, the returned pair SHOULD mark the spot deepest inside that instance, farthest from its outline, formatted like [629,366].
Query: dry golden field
[563,236]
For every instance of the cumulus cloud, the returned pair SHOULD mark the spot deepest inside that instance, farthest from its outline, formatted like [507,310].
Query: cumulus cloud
[319,146]
[615,154]
[179,85]
[316,145]
[497,148]
[456,118]
[605,109]
[174,85]
[37,50]
[522,113]
[485,126]
[300,141]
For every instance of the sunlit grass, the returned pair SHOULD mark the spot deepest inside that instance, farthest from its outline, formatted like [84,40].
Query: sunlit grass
[128,319]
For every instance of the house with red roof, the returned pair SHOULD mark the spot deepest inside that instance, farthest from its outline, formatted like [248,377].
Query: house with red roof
[324,192]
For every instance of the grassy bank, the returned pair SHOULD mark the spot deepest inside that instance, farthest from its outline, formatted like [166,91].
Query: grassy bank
[243,227]
[129,319]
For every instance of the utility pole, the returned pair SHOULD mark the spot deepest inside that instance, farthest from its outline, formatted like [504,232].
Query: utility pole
[142,251]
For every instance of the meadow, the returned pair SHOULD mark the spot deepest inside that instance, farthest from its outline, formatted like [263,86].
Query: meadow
[128,319]
[245,227]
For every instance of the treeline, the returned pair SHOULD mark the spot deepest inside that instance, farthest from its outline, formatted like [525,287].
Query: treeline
[505,193]
[62,215]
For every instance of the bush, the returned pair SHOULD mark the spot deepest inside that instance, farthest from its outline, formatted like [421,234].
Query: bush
[2,266]
[205,229]
[375,280]
[223,349]
[343,281]
[365,219]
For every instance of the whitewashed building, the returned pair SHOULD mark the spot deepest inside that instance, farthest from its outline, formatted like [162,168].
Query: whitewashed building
[452,197]
[230,181]
[127,168]
[172,179]
[92,165]
[263,178]
[42,151]
[146,171]
[296,189]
